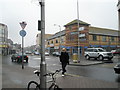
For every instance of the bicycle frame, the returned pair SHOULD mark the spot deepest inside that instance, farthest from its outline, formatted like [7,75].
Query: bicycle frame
[53,77]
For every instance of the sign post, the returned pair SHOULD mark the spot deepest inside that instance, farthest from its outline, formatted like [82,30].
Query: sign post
[23,34]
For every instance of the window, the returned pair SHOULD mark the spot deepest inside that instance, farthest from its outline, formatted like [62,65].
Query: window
[81,28]
[104,38]
[56,41]
[70,27]
[48,43]
[51,42]
[89,50]
[112,39]
[94,37]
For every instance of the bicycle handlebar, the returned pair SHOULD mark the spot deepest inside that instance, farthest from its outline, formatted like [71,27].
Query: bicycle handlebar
[51,74]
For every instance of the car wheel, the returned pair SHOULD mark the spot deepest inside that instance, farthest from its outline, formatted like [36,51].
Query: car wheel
[87,57]
[109,58]
[12,60]
[17,60]
[26,60]
[100,57]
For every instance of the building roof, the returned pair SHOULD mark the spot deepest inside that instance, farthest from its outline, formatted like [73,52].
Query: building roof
[103,31]
[58,34]
[76,22]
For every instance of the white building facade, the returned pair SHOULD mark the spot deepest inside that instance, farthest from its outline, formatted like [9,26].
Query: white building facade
[3,39]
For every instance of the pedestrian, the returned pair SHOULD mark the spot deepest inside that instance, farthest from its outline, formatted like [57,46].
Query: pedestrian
[64,59]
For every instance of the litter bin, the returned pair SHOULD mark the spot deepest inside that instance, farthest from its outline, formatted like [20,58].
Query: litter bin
[75,57]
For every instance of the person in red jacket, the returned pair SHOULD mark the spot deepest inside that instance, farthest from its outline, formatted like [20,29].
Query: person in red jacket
[64,59]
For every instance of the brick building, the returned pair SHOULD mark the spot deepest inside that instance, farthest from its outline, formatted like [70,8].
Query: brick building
[74,38]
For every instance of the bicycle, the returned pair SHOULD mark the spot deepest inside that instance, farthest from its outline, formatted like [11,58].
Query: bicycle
[53,86]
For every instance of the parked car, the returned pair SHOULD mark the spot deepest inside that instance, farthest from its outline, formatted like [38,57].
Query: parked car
[18,57]
[116,52]
[97,53]
[46,54]
[117,68]
[28,52]
[36,53]
[56,54]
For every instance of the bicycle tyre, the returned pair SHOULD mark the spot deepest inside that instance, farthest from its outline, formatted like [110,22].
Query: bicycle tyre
[56,87]
[37,86]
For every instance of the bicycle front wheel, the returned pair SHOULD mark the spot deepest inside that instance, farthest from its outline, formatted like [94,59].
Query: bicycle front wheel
[56,87]
[32,85]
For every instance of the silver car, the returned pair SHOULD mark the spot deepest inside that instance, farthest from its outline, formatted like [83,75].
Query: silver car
[97,53]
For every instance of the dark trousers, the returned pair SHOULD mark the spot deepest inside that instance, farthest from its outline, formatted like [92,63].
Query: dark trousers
[63,67]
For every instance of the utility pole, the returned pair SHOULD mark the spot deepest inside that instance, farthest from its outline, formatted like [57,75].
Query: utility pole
[43,63]
[78,30]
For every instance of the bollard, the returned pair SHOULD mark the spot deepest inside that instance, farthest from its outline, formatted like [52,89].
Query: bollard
[75,58]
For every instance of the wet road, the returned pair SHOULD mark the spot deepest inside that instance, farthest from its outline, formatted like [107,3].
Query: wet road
[101,72]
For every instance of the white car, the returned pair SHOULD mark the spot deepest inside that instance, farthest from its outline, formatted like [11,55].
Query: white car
[36,53]
[97,53]
[46,54]
[56,54]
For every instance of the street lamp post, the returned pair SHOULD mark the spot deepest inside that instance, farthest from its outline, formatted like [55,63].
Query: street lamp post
[60,37]
[78,30]
[43,63]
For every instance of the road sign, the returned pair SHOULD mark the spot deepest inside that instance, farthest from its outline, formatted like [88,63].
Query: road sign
[22,33]
[23,24]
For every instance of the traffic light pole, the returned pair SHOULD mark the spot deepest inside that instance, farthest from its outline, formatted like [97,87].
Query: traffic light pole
[43,63]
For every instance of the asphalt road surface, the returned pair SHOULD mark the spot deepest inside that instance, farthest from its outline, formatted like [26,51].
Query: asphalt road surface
[101,72]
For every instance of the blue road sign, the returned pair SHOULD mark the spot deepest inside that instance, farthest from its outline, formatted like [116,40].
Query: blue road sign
[22,33]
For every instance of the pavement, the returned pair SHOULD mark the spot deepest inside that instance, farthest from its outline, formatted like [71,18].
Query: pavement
[84,62]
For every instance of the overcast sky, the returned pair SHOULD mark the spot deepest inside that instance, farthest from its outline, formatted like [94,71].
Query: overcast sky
[98,13]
